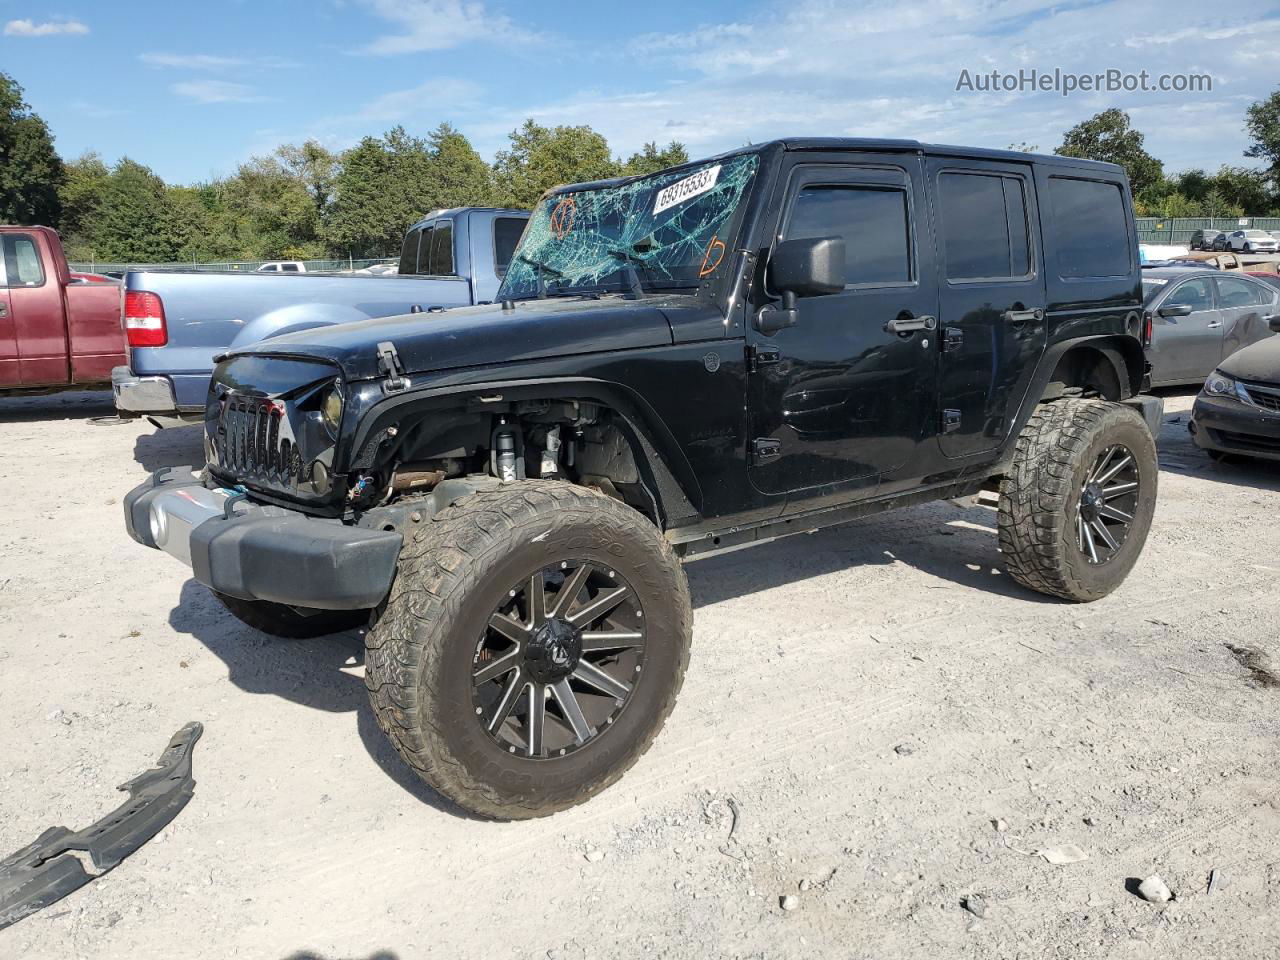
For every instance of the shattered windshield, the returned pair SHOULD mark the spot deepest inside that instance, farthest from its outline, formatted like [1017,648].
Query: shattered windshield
[667,232]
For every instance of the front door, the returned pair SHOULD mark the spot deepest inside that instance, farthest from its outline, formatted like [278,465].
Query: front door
[35,305]
[1186,348]
[839,399]
[992,292]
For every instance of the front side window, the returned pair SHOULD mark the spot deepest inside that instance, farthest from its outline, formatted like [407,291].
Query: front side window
[1090,228]
[1196,294]
[669,231]
[984,226]
[871,220]
[22,261]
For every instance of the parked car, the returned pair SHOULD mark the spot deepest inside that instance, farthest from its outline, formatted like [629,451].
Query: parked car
[701,359]
[1252,241]
[282,266]
[1197,317]
[1220,242]
[1203,239]
[1238,411]
[56,332]
[177,321]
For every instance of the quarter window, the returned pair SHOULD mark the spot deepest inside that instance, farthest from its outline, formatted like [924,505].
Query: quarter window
[871,220]
[984,226]
[442,250]
[409,252]
[1090,228]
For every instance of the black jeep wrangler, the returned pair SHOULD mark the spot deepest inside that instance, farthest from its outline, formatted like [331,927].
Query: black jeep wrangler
[775,340]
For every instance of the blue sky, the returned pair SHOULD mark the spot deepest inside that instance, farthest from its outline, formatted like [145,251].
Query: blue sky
[194,89]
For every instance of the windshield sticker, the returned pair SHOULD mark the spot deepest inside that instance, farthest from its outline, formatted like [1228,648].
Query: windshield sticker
[1156,280]
[562,217]
[711,259]
[685,189]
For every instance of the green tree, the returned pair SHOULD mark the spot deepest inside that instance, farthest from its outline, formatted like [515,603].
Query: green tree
[80,195]
[30,169]
[462,178]
[543,157]
[650,159]
[131,223]
[386,183]
[1109,136]
[273,212]
[1262,120]
[1244,188]
[315,167]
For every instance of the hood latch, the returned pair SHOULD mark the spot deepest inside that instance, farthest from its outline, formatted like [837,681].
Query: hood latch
[389,365]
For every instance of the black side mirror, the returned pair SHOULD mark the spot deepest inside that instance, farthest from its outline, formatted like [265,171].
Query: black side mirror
[1274,323]
[1175,310]
[811,267]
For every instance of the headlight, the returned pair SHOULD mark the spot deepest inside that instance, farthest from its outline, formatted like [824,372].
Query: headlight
[1220,385]
[331,409]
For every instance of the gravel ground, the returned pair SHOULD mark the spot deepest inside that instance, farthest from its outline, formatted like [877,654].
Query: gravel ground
[877,724]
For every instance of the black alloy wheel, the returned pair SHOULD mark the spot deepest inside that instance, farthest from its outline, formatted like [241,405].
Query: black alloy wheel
[1108,501]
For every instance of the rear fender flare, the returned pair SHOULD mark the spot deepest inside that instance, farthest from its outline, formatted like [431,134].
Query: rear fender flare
[663,466]
[295,317]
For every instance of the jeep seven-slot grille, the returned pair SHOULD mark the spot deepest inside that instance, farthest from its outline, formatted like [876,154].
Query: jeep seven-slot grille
[250,442]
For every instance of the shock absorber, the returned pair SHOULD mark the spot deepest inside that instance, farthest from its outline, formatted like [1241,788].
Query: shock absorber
[505,445]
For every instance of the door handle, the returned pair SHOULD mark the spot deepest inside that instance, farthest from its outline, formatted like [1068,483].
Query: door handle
[4,309]
[1214,325]
[1022,316]
[905,323]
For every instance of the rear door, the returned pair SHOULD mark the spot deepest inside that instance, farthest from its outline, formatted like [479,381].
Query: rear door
[1246,306]
[9,376]
[838,399]
[1186,348]
[992,298]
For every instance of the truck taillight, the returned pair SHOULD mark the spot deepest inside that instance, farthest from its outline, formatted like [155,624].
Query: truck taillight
[1147,321]
[144,319]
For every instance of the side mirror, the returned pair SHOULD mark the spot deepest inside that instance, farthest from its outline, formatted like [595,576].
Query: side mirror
[1175,310]
[1274,323]
[811,267]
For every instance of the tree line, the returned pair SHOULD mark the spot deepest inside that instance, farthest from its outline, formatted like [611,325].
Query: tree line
[308,202]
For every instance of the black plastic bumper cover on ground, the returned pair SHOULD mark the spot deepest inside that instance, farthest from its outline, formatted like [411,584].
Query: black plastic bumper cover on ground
[44,872]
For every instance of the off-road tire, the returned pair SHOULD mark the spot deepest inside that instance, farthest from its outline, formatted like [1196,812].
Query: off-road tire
[280,620]
[451,573]
[1040,494]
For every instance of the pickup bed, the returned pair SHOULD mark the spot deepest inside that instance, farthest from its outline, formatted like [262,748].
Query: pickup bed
[56,331]
[178,321]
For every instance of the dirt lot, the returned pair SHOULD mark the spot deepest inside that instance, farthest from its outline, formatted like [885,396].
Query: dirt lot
[1127,728]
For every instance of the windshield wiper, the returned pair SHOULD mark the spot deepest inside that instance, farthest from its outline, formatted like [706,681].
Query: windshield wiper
[540,268]
[634,288]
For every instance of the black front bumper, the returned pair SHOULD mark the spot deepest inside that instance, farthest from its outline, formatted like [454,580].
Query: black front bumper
[258,552]
[1232,426]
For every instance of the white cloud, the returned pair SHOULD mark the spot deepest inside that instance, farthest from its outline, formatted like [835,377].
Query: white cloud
[28,28]
[427,25]
[216,91]
[208,61]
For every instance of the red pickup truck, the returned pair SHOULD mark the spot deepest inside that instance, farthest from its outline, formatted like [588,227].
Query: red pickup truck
[56,331]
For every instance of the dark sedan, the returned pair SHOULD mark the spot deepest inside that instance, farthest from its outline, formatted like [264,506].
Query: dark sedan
[1238,411]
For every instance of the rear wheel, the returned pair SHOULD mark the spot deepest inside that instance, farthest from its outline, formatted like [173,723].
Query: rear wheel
[1077,502]
[284,621]
[531,647]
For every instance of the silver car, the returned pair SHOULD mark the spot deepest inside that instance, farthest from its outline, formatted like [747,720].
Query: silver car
[1252,241]
[1200,317]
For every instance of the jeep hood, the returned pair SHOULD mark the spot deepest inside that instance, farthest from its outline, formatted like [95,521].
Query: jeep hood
[478,336]
[1259,362]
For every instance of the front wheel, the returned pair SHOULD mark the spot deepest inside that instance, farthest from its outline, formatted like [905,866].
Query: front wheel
[531,647]
[1077,502]
[1248,248]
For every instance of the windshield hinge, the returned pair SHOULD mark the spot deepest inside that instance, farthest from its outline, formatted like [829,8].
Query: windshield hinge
[760,356]
[389,365]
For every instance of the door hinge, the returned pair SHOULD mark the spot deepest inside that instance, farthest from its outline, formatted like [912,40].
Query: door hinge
[765,450]
[390,367]
[757,357]
[952,339]
[950,420]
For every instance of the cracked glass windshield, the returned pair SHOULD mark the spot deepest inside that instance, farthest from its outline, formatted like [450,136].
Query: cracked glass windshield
[667,232]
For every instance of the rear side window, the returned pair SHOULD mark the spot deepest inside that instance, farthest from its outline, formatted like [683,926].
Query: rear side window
[1090,228]
[871,220]
[1235,292]
[984,226]
[22,261]
[409,252]
[441,264]
[506,234]
[289,267]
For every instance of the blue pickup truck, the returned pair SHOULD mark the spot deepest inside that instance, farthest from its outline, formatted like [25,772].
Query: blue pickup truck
[176,321]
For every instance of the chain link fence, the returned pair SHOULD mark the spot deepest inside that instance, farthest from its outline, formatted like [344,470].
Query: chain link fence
[232,266]
[1178,230]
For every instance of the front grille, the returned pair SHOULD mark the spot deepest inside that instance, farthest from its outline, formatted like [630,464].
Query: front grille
[1266,399]
[1245,441]
[250,444]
